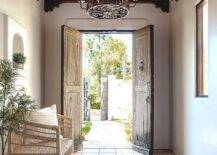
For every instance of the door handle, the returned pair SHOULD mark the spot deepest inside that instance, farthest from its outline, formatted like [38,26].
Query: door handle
[141,65]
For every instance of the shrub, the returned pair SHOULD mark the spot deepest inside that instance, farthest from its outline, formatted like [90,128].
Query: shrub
[19,58]
[94,101]
[86,127]
[129,130]
[128,127]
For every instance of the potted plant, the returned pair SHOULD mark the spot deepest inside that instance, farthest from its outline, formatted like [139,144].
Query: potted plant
[19,60]
[14,103]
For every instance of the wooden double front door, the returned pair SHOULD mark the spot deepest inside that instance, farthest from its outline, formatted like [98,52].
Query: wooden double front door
[142,85]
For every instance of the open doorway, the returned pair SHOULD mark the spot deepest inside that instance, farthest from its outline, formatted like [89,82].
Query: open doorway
[107,87]
[142,86]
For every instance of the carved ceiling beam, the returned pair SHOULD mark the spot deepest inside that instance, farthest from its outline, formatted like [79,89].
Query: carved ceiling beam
[49,5]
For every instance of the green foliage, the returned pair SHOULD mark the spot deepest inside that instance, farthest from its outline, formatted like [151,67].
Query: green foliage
[128,130]
[19,58]
[14,103]
[128,127]
[94,101]
[94,94]
[86,127]
[104,55]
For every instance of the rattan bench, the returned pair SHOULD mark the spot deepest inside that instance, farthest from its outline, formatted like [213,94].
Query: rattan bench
[39,139]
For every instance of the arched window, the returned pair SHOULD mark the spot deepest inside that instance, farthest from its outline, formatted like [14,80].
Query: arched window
[18,46]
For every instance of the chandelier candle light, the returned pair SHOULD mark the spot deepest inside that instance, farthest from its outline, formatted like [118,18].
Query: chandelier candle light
[107,9]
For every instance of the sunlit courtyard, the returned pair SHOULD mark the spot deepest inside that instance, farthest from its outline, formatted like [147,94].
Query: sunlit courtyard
[107,66]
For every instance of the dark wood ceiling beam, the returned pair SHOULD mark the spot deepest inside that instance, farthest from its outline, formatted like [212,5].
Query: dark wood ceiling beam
[49,5]
[164,5]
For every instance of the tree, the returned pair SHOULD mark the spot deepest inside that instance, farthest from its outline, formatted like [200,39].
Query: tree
[14,103]
[104,55]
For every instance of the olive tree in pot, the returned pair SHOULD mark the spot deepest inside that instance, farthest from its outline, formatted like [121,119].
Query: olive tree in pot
[14,103]
[19,60]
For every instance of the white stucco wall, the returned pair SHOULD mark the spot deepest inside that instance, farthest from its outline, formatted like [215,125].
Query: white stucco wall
[119,98]
[54,20]
[2,18]
[194,127]
[28,14]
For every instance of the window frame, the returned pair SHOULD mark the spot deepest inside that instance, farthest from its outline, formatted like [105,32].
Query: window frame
[200,90]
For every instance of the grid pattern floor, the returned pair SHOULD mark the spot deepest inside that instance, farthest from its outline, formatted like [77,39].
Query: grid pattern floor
[118,151]
[108,151]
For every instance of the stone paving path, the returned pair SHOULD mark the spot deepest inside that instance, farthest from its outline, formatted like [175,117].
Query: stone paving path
[106,134]
[107,138]
[109,152]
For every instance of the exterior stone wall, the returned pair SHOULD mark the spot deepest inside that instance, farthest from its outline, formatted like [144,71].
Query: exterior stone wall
[104,99]
[86,101]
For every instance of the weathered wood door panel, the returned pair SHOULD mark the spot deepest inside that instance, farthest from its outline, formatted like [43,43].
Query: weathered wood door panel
[72,79]
[143,90]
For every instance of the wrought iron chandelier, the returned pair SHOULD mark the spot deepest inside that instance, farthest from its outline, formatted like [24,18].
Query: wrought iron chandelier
[107,9]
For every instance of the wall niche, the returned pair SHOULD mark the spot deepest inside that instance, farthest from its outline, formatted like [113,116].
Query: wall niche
[18,45]
[13,39]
